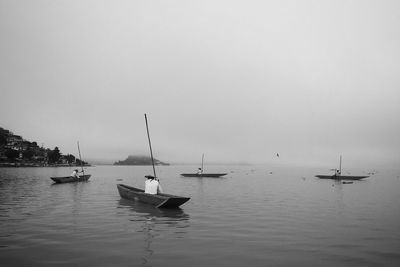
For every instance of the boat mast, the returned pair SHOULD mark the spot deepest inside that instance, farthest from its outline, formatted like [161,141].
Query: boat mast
[80,158]
[340,165]
[202,163]
[151,151]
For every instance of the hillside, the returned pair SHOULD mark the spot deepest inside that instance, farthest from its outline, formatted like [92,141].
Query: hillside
[18,152]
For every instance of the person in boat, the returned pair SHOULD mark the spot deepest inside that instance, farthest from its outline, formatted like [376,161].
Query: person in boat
[152,185]
[75,174]
[199,171]
[337,173]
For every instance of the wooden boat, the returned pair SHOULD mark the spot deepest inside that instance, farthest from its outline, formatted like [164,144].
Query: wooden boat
[160,200]
[338,175]
[341,177]
[70,179]
[215,175]
[202,174]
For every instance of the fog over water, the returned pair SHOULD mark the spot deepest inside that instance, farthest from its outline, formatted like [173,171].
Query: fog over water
[237,80]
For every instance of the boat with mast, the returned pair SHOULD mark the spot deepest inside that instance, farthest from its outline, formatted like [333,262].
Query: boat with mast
[338,174]
[72,179]
[201,172]
[160,200]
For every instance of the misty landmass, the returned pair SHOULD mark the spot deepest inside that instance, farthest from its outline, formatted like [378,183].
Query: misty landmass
[139,160]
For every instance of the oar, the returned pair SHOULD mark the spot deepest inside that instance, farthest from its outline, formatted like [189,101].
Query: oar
[151,151]
[80,158]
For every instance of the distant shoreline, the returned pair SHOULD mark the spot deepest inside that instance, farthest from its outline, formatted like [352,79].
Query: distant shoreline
[36,165]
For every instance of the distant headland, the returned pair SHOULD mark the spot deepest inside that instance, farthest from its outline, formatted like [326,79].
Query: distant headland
[139,160]
[15,151]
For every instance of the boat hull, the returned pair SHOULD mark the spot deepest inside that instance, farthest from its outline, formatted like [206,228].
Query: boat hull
[160,200]
[341,177]
[70,179]
[213,175]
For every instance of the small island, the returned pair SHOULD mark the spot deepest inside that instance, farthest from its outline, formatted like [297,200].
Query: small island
[139,160]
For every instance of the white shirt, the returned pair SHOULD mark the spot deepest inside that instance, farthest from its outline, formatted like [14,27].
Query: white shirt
[75,174]
[152,186]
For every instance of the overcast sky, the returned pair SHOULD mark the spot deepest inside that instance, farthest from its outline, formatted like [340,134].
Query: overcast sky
[237,80]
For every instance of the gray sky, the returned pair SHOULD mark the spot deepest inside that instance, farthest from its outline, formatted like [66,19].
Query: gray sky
[236,80]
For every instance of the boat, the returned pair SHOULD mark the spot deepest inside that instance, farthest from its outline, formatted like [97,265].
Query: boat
[202,174]
[70,179]
[341,177]
[160,200]
[338,175]
[212,175]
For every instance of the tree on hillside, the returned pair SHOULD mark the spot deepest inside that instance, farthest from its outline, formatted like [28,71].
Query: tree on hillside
[79,162]
[3,136]
[12,154]
[3,140]
[70,158]
[54,155]
[28,154]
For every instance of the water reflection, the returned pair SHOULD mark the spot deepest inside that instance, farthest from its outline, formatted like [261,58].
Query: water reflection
[60,184]
[154,221]
[148,230]
[147,211]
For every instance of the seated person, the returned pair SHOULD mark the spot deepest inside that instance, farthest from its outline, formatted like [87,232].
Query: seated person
[337,173]
[199,171]
[152,185]
[75,174]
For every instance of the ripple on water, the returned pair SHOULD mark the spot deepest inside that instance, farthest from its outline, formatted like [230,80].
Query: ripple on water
[258,219]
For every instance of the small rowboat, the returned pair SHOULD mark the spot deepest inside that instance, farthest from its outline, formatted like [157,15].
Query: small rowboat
[341,177]
[160,200]
[338,175]
[201,172]
[214,175]
[70,179]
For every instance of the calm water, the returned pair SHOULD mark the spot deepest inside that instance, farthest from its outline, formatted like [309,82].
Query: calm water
[250,218]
